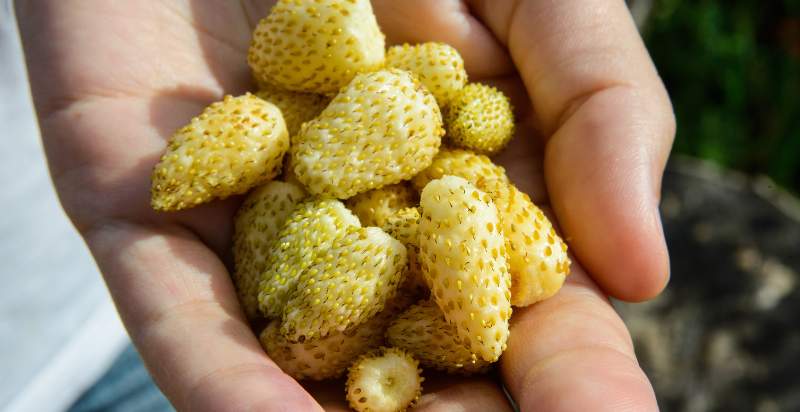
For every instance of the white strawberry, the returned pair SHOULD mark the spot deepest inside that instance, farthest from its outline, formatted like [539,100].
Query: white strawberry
[257,224]
[464,259]
[480,118]
[309,232]
[348,283]
[538,258]
[329,357]
[423,332]
[323,358]
[296,108]
[403,225]
[316,46]
[233,146]
[461,163]
[387,380]
[375,206]
[437,66]
[384,127]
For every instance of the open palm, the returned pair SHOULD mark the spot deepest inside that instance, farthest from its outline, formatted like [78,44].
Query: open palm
[113,80]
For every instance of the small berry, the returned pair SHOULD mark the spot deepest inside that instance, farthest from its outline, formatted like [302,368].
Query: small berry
[480,118]
[297,108]
[329,357]
[403,225]
[347,283]
[324,358]
[387,380]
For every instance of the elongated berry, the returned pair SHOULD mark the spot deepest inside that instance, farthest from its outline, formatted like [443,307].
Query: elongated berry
[538,258]
[464,260]
[231,147]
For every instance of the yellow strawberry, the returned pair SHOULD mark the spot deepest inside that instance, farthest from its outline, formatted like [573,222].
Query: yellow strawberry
[461,163]
[463,258]
[423,332]
[305,238]
[297,108]
[375,206]
[348,283]
[386,380]
[381,129]
[257,224]
[329,357]
[403,226]
[537,256]
[438,67]
[316,46]
[480,118]
[323,358]
[231,147]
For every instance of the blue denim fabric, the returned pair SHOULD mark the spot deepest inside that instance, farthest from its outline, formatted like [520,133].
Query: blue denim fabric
[126,387]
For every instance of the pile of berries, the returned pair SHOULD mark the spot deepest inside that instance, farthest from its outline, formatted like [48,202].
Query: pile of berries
[365,244]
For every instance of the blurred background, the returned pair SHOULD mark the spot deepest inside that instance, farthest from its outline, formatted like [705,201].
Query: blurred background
[733,71]
[723,336]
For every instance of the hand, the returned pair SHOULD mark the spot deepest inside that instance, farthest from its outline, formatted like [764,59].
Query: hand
[113,80]
[597,127]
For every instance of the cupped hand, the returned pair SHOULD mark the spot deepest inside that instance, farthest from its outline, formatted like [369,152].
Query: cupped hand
[112,81]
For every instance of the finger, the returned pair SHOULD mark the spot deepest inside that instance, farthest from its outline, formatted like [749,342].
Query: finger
[609,126]
[523,157]
[439,393]
[571,353]
[465,394]
[255,10]
[178,304]
[447,21]
[330,394]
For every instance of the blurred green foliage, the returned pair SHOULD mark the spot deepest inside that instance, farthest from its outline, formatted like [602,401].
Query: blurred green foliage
[733,71]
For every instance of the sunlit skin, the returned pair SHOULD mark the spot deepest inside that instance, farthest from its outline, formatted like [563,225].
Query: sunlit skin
[112,80]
